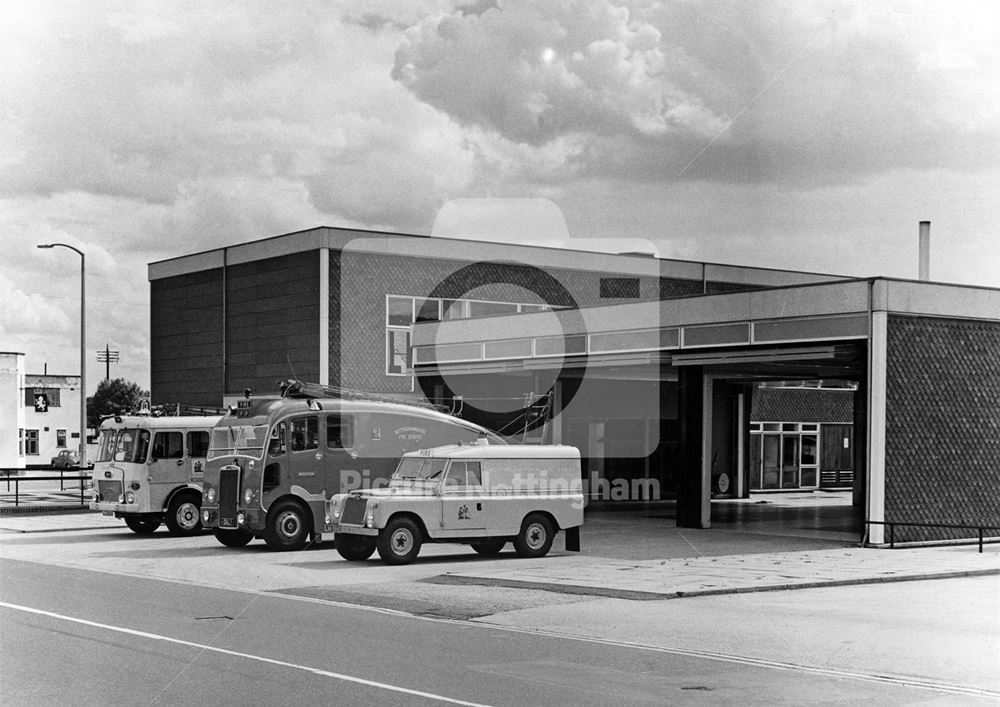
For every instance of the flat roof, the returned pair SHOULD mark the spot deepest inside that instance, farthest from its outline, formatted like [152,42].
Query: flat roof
[416,246]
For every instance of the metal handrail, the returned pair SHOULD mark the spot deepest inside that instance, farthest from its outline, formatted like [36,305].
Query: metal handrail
[891,524]
[62,478]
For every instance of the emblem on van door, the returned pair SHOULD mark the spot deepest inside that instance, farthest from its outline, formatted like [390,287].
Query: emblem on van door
[376,434]
[463,512]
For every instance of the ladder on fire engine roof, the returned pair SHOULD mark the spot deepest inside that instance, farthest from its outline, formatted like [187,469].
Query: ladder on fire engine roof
[301,389]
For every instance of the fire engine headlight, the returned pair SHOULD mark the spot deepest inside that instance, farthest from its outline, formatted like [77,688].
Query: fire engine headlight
[241,518]
[248,497]
[211,495]
[205,517]
[129,497]
[121,498]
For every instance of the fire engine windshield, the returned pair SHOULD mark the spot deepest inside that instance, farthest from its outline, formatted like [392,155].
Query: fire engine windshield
[245,440]
[131,446]
[106,450]
[420,468]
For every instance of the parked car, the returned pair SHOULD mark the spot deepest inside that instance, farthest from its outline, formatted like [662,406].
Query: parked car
[67,459]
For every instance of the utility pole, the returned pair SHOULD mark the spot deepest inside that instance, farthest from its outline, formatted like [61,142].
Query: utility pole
[107,357]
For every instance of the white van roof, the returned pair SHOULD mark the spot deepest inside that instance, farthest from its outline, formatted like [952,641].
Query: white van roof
[496,451]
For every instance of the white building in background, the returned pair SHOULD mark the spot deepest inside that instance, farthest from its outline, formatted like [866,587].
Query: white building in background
[39,414]
[11,410]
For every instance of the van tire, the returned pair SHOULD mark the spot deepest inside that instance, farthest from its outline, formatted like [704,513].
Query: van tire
[233,538]
[399,542]
[287,527]
[535,537]
[356,548]
[142,526]
[184,514]
[489,547]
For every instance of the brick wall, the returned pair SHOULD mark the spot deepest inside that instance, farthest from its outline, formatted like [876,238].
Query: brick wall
[942,424]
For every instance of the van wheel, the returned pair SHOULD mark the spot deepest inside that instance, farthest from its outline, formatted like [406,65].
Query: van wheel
[184,514]
[489,547]
[233,538]
[399,542]
[286,527]
[355,548]
[535,537]
[142,526]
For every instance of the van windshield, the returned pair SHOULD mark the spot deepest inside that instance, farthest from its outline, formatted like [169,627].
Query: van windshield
[246,440]
[420,468]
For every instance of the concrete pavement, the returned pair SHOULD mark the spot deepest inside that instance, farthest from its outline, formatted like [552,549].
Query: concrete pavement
[680,564]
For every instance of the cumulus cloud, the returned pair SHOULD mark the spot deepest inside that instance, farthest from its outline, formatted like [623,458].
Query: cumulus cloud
[536,70]
[805,92]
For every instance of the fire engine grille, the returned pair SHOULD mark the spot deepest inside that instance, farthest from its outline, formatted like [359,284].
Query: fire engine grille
[109,490]
[229,496]
[354,511]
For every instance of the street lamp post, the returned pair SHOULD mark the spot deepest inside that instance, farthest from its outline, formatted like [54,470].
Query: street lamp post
[83,349]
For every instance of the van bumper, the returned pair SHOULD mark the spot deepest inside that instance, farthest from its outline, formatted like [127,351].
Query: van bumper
[350,530]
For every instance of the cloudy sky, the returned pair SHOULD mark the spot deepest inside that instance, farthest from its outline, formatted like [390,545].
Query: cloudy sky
[795,134]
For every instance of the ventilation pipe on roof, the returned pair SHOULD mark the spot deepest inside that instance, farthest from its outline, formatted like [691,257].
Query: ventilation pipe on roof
[925,251]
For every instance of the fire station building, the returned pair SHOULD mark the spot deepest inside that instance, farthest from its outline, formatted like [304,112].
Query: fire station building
[675,379]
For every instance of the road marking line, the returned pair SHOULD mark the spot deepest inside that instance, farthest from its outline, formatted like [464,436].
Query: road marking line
[483,622]
[237,654]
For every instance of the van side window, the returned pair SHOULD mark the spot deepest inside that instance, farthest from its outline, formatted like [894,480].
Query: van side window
[456,474]
[276,445]
[474,476]
[197,443]
[168,445]
[339,431]
[305,433]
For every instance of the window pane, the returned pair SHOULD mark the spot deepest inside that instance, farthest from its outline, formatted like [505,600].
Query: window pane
[398,351]
[808,450]
[305,433]
[168,445]
[276,445]
[428,310]
[400,311]
[491,309]
[455,309]
[198,444]
[339,432]
[456,474]
[474,474]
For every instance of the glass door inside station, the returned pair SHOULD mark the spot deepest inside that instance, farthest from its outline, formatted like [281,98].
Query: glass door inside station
[783,455]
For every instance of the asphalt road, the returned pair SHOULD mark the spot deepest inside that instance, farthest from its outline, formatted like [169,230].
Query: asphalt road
[76,636]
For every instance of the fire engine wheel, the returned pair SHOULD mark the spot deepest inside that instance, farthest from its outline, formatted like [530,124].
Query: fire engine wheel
[233,538]
[142,526]
[535,537]
[286,527]
[184,514]
[399,541]
[355,548]
[489,547]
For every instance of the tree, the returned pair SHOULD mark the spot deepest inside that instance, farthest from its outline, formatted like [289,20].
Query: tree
[113,397]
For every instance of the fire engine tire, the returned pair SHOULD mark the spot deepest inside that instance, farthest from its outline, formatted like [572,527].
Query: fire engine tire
[535,537]
[142,526]
[184,514]
[399,541]
[489,547]
[287,527]
[233,538]
[356,548]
